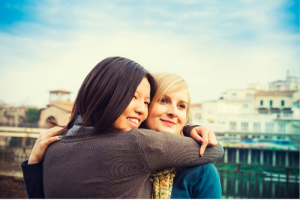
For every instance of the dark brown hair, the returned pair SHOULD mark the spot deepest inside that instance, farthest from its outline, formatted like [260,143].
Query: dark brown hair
[107,91]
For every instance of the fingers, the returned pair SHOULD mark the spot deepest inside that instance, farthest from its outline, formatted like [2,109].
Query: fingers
[212,141]
[44,135]
[202,148]
[205,136]
[49,136]
[52,139]
[196,136]
[202,132]
[55,131]
[45,138]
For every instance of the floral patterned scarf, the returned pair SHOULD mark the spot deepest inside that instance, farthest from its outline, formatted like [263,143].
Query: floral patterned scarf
[162,182]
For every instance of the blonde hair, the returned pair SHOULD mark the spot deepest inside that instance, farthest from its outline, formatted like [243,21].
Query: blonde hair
[167,83]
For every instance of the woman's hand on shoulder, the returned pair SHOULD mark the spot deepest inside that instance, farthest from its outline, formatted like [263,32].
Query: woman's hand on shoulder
[45,138]
[205,136]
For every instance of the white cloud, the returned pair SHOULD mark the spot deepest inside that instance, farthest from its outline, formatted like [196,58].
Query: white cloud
[69,40]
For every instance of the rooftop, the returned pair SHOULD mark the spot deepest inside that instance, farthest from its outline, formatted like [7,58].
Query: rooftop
[275,93]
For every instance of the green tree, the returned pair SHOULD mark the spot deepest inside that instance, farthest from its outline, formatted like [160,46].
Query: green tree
[33,115]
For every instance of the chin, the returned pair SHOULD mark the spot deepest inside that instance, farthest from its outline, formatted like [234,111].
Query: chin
[168,130]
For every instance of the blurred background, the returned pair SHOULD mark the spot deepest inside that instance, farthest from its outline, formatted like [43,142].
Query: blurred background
[239,58]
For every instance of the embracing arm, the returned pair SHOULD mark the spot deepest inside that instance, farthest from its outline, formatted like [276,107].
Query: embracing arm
[163,150]
[33,179]
[33,167]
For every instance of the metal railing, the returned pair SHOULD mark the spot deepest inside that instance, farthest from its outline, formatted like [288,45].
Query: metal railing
[237,180]
[14,154]
[25,125]
[239,183]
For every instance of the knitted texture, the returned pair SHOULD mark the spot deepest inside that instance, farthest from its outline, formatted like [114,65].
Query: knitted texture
[116,164]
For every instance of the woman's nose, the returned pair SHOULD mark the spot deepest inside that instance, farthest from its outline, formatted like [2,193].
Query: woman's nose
[172,111]
[140,108]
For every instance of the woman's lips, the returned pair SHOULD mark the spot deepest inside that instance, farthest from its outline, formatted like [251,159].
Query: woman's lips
[134,121]
[167,122]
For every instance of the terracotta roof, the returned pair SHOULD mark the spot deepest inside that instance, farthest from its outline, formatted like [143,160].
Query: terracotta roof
[275,93]
[67,105]
[195,104]
[61,91]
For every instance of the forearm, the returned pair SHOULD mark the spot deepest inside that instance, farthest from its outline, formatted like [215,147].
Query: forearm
[33,180]
[164,150]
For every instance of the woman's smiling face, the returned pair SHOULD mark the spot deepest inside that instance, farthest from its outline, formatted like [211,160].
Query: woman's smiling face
[169,113]
[137,110]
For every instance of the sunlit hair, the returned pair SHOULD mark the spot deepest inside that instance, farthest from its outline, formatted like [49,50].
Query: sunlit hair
[168,83]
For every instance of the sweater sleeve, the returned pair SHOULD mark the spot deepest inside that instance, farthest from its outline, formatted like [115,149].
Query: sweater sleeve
[33,179]
[187,130]
[163,150]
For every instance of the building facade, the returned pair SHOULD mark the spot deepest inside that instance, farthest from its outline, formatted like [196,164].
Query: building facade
[12,116]
[58,110]
[252,113]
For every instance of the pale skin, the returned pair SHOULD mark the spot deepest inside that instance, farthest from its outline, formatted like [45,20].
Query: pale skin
[137,110]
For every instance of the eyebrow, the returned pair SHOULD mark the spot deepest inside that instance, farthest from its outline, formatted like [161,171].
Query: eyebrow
[182,101]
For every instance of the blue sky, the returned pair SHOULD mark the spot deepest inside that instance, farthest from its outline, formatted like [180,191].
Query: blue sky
[215,45]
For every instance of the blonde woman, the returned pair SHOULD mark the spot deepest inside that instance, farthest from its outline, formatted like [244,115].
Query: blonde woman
[169,112]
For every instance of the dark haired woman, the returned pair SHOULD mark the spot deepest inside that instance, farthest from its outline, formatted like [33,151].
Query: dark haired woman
[103,155]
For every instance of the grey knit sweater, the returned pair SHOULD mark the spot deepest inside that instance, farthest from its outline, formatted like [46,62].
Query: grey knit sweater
[117,164]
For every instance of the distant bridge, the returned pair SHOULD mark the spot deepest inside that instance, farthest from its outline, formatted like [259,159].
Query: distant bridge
[9,131]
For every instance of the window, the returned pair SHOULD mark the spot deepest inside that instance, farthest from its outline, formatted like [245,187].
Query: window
[245,106]
[256,127]
[281,127]
[244,126]
[268,137]
[280,138]
[233,126]
[271,103]
[269,127]
[282,103]
[248,95]
[234,95]
[261,102]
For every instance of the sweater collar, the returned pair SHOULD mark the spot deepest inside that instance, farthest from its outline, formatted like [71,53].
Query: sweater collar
[78,119]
